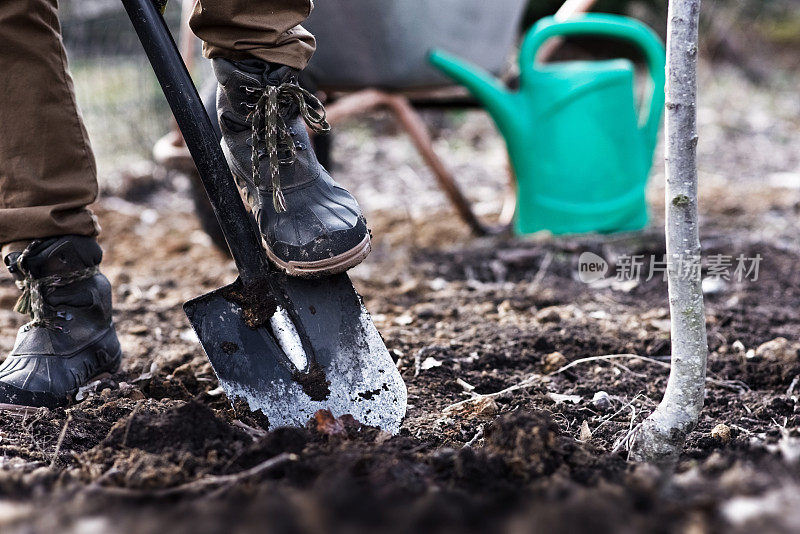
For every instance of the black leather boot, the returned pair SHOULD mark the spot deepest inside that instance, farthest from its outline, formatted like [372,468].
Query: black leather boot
[310,225]
[71,339]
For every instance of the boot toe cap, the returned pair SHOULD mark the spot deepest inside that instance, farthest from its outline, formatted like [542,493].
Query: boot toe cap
[325,246]
[322,221]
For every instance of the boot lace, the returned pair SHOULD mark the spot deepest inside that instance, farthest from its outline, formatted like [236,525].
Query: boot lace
[268,126]
[32,301]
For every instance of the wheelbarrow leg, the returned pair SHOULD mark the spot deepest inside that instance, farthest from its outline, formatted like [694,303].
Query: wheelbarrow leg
[405,114]
[408,118]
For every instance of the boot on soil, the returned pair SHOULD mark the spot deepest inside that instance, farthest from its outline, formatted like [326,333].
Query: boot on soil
[71,339]
[310,225]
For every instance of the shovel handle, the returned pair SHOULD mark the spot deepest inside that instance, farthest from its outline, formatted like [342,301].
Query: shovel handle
[235,221]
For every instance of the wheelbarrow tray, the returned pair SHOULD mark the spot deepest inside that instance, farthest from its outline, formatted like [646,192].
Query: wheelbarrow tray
[384,44]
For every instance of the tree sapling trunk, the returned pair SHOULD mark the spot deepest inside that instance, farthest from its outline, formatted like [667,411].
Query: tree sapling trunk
[660,438]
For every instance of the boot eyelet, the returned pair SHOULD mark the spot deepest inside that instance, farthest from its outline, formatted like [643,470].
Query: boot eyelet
[247,106]
[246,89]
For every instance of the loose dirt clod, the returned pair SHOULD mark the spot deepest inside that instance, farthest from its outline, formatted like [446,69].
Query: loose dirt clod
[256,304]
[191,427]
[314,382]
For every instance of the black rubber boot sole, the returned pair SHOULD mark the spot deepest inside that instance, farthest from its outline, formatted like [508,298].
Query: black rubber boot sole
[48,400]
[328,266]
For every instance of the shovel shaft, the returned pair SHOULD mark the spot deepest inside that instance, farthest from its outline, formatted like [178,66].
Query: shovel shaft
[240,233]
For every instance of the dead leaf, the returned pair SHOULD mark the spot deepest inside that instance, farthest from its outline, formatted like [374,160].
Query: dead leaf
[404,320]
[465,385]
[429,363]
[325,423]
[585,433]
[480,405]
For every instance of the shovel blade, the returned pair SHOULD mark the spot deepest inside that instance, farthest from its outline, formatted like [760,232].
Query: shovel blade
[349,370]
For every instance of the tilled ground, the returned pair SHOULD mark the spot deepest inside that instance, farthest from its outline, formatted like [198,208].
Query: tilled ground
[514,423]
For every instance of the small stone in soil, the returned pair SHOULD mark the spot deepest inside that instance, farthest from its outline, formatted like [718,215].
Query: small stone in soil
[601,401]
[778,350]
[554,361]
[721,433]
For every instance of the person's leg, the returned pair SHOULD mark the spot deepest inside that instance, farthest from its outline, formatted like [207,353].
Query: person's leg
[310,225]
[263,29]
[47,169]
[47,178]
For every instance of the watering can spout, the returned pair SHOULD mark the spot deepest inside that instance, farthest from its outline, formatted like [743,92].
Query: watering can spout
[491,93]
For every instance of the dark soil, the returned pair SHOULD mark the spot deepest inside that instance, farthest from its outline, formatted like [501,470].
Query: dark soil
[499,435]
[480,315]
[255,311]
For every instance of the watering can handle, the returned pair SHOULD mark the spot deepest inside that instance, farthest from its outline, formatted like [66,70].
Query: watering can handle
[604,25]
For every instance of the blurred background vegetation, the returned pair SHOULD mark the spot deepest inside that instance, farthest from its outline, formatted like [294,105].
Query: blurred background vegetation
[126,113]
[119,96]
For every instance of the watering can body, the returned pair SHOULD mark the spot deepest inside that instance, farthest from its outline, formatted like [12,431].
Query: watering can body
[580,149]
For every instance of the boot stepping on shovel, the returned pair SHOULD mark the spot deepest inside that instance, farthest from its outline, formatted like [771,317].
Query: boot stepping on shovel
[286,346]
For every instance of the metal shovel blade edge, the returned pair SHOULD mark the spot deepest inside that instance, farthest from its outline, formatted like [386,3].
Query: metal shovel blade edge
[351,372]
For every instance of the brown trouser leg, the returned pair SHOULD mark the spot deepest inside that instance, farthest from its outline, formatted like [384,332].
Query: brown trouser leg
[47,169]
[265,29]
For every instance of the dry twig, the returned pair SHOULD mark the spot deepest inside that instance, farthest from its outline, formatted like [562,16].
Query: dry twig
[61,437]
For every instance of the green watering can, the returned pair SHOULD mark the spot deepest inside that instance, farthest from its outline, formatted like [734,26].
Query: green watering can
[580,153]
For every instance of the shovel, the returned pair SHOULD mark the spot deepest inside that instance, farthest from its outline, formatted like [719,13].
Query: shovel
[282,345]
